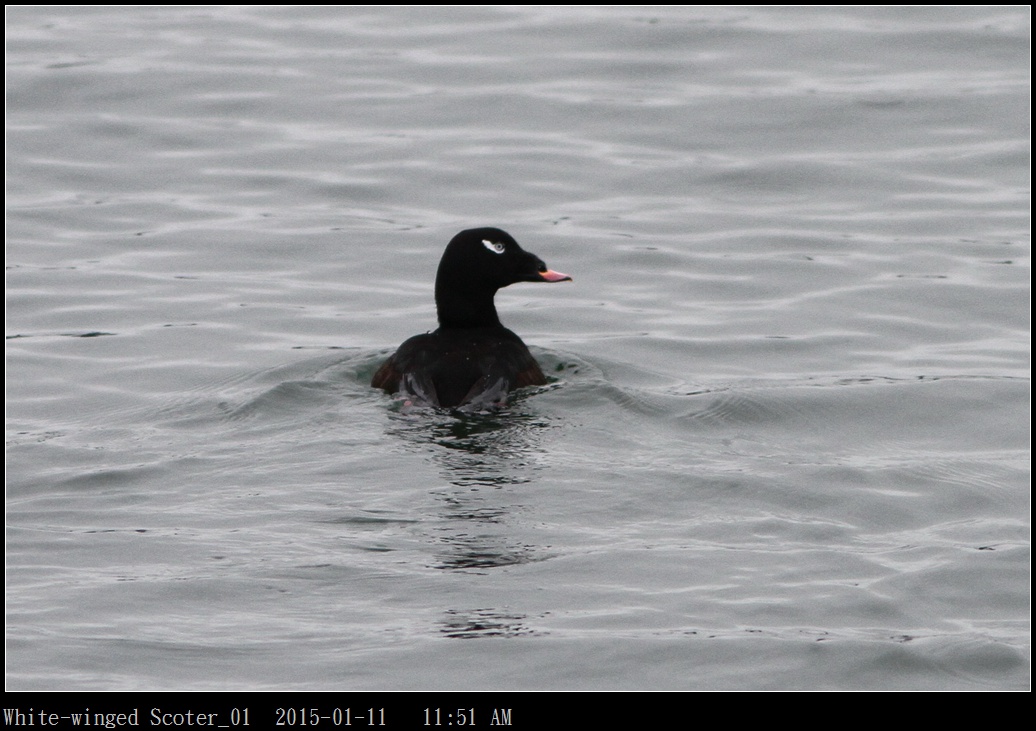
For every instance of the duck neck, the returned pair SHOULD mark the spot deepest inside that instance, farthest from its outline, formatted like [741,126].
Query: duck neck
[467,309]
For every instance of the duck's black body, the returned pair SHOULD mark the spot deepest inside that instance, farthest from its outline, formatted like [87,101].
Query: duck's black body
[456,367]
[471,359]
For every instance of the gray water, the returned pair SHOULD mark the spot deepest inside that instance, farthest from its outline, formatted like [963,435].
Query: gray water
[786,441]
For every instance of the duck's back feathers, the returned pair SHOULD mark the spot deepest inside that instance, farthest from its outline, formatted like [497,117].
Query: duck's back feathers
[454,367]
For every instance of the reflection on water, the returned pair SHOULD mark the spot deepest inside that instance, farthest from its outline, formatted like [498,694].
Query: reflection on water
[471,623]
[492,450]
[458,550]
[481,456]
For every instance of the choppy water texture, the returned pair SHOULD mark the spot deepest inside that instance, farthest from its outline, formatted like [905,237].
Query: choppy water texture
[786,444]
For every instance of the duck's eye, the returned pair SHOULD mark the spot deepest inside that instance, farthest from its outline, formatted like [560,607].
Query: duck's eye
[495,246]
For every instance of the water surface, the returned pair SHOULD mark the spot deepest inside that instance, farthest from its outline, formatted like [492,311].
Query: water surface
[786,442]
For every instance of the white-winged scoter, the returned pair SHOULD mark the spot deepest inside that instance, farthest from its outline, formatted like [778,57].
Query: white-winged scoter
[471,360]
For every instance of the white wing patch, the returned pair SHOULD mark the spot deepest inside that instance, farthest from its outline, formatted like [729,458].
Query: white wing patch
[495,246]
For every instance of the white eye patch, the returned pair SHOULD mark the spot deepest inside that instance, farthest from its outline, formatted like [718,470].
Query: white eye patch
[495,246]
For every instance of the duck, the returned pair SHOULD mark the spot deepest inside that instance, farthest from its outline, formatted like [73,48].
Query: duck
[471,361]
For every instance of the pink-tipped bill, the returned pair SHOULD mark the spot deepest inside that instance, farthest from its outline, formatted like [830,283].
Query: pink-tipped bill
[552,276]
